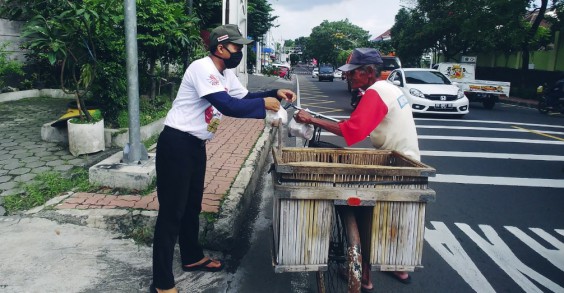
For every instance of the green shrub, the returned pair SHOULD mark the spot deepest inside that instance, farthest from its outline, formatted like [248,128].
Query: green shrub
[9,69]
[149,111]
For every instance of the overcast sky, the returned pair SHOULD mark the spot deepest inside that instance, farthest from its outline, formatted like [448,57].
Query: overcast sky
[296,18]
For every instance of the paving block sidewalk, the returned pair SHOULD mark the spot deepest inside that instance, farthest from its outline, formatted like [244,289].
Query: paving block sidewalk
[226,153]
[234,155]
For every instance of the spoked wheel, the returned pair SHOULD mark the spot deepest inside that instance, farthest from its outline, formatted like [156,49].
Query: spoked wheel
[543,106]
[344,267]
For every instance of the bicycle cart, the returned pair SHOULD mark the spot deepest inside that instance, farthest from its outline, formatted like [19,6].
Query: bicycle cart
[314,228]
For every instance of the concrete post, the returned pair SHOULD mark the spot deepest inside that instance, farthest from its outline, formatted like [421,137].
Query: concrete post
[134,152]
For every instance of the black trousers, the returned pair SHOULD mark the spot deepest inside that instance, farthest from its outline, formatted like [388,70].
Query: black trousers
[181,169]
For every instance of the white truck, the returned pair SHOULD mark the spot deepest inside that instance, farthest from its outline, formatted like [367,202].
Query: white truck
[485,91]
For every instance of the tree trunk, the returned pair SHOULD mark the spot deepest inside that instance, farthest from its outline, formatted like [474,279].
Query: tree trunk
[152,75]
[531,35]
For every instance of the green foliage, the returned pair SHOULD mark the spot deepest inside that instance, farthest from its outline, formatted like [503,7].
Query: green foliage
[149,111]
[8,67]
[209,12]
[343,56]
[96,116]
[459,28]
[269,71]
[210,217]
[260,18]
[329,38]
[46,186]
[142,235]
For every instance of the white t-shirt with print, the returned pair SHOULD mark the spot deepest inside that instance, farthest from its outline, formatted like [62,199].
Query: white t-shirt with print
[193,114]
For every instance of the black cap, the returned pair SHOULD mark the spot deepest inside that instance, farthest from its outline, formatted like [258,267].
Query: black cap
[362,56]
[227,33]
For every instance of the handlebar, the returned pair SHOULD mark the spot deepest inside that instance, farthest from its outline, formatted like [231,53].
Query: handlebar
[291,105]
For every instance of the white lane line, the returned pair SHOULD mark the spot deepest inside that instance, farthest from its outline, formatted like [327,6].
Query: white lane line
[490,139]
[500,181]
[474,138]
[493,156]
[490,122]
[485,129]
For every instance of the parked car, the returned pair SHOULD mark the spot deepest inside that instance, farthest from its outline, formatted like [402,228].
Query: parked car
[315,73]
[338,74]
[430,91]
[326,73]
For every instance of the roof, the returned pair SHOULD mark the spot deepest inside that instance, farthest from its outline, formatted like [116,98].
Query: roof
[532,15]
[386,36]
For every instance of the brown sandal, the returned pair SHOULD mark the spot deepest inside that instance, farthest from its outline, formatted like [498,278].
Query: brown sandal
[204,267]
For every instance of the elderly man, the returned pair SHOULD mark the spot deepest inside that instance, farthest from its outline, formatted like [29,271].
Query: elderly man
[383,113]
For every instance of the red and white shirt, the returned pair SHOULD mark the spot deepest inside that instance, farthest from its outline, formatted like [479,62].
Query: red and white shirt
[383,113]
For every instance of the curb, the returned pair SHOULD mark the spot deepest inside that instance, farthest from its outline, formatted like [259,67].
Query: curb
[221,234]
[530,104]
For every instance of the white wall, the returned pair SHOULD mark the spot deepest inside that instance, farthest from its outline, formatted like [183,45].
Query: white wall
[10,33]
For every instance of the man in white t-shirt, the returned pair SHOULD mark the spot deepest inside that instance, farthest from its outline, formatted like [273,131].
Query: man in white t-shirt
[383,113]
[209,90]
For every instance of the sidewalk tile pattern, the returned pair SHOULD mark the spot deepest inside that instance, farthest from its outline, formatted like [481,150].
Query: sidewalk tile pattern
[226,153]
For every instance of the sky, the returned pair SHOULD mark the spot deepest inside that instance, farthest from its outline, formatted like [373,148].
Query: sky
[296,18]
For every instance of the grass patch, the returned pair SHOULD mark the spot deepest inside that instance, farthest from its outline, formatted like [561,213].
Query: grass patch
[142,235]
[151,141]
[210,217]
[46,186]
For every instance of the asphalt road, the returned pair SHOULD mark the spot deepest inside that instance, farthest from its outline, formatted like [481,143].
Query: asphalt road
[497,224]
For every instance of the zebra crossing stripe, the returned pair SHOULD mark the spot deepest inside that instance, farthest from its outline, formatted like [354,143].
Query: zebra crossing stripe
[501,181]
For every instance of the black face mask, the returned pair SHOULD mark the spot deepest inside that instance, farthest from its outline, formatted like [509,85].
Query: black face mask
[233,60]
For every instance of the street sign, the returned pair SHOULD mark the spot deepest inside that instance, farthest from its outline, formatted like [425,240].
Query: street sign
[468,59]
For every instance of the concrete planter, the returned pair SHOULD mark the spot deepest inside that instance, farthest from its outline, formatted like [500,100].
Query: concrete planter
[86,138]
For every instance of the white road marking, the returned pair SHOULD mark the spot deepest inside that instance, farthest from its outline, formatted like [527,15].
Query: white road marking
[446,245]
[493,156]
[491,122]
[555,256]
[500,181]
[476,138]
[500,253]
[484,129]
[490,139]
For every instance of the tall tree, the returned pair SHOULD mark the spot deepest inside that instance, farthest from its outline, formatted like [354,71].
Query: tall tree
[459,27]
[164,30]
[260,18]
[529,39]
[329,38]
[409,38]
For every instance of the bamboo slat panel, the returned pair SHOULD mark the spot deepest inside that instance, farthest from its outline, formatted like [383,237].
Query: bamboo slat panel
[397,235]
[302,231]
[349,168]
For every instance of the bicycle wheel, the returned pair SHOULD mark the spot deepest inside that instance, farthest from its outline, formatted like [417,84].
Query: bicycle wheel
[344,267]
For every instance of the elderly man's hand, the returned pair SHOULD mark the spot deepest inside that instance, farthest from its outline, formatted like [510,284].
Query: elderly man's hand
[303,117]
[287,95]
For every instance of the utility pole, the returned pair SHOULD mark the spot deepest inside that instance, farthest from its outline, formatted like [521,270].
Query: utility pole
[134,152]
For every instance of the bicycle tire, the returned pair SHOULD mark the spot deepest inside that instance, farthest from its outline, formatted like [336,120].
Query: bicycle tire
[543,107]
[344,265]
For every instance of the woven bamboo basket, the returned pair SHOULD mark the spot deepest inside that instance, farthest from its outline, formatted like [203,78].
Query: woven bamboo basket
[309,181]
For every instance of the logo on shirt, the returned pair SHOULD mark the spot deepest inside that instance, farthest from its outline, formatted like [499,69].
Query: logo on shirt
[212,117]
[213,80]
[402,101]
